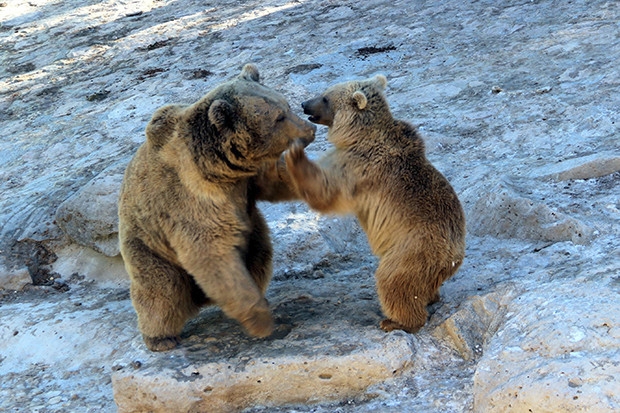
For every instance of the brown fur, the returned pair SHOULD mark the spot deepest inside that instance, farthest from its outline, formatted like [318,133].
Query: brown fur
[378,170]
[190,231]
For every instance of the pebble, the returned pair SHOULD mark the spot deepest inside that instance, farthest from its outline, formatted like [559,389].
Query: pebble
[54,400]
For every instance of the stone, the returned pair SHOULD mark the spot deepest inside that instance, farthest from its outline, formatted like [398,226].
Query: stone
[304,241]
[556,351]
[90,216]
[309,359]
[476,321]
[504,213]
[337,367]
[14,279]
[583,167]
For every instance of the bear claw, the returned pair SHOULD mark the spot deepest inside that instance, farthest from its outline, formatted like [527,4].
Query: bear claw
[296,150]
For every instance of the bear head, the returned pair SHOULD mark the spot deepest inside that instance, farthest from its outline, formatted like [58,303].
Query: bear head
[234,129]
[348,102]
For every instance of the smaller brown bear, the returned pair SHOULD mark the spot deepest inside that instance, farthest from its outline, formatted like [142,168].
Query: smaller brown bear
[190,232]
[378,170]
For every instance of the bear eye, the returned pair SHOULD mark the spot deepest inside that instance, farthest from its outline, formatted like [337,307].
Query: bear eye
[325,100]
[280,118]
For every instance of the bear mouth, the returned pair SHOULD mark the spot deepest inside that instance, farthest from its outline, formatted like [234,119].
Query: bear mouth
[314,119]
[306,141]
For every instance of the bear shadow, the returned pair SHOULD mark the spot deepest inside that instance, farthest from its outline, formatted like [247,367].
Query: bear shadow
[304,326]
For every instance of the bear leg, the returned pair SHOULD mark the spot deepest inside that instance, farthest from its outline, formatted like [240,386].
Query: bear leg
[247,305]
[227,282]
[403,298]
[160,343]
[161,294]
[435,299]
[259,256]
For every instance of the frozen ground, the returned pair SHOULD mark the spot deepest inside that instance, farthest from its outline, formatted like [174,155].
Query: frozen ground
[518,102]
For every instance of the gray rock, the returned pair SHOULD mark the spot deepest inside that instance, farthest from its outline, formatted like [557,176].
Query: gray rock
[304,241]
[476,321]
[557,351]
[14,279]
[90,216]
[584,167]
[504,213]
[335,366]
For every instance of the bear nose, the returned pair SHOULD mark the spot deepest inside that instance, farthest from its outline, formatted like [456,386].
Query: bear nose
[306,106]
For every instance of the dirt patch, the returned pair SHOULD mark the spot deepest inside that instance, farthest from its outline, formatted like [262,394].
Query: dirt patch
[197,74]
[364,52]
[98,96]
[153,46]
[150,73]
[305,68]
[20,69]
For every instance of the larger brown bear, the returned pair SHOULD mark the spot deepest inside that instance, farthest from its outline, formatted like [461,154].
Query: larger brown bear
[190,232]
[378,170]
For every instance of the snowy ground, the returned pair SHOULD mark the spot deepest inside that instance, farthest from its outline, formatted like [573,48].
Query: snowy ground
[504,92]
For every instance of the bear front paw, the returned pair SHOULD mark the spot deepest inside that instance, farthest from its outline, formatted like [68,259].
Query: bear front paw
[259,324]
[160,343]
[295,153]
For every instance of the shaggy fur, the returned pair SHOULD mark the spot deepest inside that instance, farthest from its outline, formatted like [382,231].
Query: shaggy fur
[190,231]
[378,170]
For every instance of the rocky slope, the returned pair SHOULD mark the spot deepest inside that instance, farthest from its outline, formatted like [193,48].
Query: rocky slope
[518,102]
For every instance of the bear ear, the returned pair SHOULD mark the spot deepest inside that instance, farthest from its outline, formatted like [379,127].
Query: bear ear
[360,99]
[381,81]
[250,72]
[220,113]
[162,124]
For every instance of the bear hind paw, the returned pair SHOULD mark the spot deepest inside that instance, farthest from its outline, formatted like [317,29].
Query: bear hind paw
[389,325]
[161,343]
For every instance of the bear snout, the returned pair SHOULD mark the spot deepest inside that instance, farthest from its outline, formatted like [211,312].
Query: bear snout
[311,107]
[307,106]
[319,111]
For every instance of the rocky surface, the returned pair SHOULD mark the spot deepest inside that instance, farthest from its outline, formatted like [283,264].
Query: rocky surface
[518,102]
